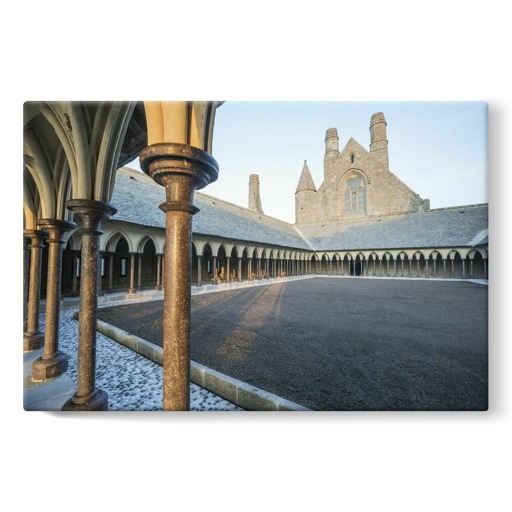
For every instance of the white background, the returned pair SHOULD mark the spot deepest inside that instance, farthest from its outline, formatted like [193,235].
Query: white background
[278,51]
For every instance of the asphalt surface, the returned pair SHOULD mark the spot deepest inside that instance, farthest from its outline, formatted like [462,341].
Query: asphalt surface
[341,344]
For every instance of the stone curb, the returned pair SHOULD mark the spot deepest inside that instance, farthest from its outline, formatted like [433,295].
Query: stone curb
[235,391]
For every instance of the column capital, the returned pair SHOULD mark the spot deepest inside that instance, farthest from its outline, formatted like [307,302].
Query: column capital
[167,158]
[35,234]
[56,228]
[91,212]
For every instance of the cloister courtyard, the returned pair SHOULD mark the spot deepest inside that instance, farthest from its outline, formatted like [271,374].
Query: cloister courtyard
[333,344]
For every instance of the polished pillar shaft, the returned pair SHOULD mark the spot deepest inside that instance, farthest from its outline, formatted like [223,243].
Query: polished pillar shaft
[214,269]
[158,272]
[132,273]
[33,337]
[181,169]
[26,275]
[228,277]
[87,396]
[199,263]
[52,363]
[111,271]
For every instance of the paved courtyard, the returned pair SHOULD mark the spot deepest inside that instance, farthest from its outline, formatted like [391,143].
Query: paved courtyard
[341,344]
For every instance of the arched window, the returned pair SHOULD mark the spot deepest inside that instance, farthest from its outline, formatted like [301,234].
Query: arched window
[352,158]
[354,195]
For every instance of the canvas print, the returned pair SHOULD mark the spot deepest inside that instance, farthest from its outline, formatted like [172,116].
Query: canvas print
[255,256]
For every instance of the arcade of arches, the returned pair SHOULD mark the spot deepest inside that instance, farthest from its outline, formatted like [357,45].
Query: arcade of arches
[132,262]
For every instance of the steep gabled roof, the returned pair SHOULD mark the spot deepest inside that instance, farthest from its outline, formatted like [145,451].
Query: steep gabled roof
[461,226]
[306,181]
[137,198]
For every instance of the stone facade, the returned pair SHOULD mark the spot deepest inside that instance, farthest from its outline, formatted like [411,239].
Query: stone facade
[357,183]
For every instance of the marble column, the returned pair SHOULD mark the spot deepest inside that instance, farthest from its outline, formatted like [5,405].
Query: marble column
[181,169]
[158,286]
[214,269]
[199,278]
[239,269]
[26,275]
[87,397]
[228,270]
[52,363]
[111,271]
[100,277]
[132,288]
[139,271]
[33,337]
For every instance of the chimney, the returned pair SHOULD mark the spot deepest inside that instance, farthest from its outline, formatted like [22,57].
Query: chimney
[254,194]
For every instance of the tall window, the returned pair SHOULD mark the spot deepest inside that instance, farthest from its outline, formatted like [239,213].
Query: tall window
[124,267]
[355,196]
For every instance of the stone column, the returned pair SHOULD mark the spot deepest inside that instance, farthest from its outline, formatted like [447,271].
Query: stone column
[485,268]
[33,337]
[139,271]
[258,268]
[158,286]
[214,280]
[249,269]
[53,362]
[453,271]
[471,268]
[76,268]
[426,267]
[410,268]
[132,273]
[464,268]
[228,259]
[239,269]
[394,266]
[110,271]
[87,397]
[181,169]
[444,268]
[100,278]
[199,278]
[26,275]
[434,261]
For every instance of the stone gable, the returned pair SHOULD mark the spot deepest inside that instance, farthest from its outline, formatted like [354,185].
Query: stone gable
[357,183]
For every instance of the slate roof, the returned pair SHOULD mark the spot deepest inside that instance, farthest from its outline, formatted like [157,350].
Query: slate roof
[462,226]
[137,198]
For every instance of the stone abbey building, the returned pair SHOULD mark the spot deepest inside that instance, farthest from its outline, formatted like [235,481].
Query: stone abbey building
[138,230]
[362,220]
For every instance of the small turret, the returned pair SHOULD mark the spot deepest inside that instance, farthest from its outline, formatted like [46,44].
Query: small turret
[254,193]
[379,139]
[332,149]
[304,196]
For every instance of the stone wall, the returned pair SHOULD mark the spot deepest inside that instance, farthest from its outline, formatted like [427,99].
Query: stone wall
[357,184]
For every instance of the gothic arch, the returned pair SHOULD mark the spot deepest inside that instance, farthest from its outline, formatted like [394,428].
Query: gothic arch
[143,241]
[112,241]
[353,190]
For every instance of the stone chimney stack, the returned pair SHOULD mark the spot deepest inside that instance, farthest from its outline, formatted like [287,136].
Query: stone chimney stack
[254,193]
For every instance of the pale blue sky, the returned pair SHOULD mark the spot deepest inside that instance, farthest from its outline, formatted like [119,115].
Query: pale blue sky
[439,149]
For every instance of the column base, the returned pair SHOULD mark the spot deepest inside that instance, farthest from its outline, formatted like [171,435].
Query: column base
[33,341]
[96,401]
[132,290]
[158,288]
[46,369]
